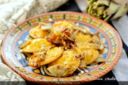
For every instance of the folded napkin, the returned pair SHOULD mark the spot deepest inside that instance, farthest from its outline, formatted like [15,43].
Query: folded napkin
[14,11]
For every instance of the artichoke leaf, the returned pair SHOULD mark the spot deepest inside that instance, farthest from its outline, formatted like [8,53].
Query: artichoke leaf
[113,7]
[103,2]
[121,11]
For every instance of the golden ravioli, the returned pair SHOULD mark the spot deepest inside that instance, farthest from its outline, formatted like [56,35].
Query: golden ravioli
[83,38]
[52,54]
[86,45]
[41,58]
[65,65]
[25,43]
[36,45]
[86,41]
[37,32]
[60,26]
[90,56]
[35,60]
[63,24]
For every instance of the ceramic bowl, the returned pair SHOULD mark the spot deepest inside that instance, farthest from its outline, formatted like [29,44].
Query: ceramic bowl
[16,60]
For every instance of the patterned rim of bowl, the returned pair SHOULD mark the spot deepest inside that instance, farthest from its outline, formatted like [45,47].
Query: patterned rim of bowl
[113,39]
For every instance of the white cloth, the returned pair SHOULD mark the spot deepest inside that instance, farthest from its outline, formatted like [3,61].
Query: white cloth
[14,11]
[122,26]
[120,70]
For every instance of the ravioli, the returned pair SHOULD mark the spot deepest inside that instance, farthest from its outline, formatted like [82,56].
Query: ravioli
[36,45]
[42,57]
[37,32]
[65,65]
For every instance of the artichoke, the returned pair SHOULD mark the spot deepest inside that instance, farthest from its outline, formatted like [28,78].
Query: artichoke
[107,9]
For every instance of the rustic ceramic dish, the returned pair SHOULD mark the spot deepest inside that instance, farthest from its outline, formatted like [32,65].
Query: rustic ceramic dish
[17,35]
